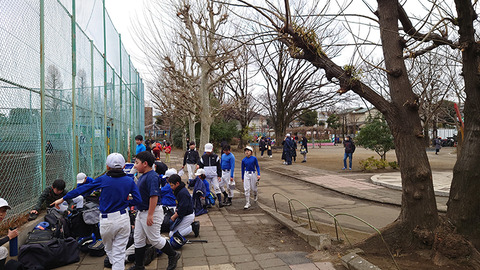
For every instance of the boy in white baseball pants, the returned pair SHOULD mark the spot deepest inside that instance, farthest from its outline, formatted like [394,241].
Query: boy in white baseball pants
[250,175]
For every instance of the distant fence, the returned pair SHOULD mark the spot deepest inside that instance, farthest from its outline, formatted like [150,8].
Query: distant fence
[66,99]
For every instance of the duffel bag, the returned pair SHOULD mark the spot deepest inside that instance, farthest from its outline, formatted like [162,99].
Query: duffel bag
[55,253]
[39,236]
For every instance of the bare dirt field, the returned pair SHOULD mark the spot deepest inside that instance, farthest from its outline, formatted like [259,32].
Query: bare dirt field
[331,157]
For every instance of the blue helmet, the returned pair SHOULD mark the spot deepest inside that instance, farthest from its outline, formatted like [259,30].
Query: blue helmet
[177,240]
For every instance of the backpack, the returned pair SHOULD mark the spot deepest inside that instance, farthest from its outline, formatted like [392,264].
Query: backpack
[48,255]
[58,224]
[78,227]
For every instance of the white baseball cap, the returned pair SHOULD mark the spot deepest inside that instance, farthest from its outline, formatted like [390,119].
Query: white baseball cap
[115,161]
[208,147]
[169,173]
[248,147]
[4,203]
[81,177]
[288,134]
[200,172]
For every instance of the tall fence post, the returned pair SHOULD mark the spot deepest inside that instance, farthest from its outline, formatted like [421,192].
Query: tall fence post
[105,79]
[42,92]
[120,137]
[92,107]
[74,103]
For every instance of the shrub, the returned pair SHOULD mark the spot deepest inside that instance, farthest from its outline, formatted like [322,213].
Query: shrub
[371,163]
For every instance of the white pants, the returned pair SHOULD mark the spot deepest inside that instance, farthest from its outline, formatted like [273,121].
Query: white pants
[143,232]
[213,181]
[3,253]
[185,226]
[230,185]
[115,230]
[250,183]
[191,170]
[78,201]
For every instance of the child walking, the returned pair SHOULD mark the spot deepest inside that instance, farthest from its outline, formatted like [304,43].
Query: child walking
[168,151]
[150,214]
[228,167]
[249,177]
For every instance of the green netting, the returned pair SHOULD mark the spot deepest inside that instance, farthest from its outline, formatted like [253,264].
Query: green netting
[81,109]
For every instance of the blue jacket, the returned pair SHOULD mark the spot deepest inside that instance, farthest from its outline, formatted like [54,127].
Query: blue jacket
[116,186]
[184,201]
[168,198]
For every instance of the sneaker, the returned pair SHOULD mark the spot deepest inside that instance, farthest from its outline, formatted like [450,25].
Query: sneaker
[172,260]
[350,169]
[246,206]
[196,228]
[303,161]
[106,263]
[255,197]
[343,168]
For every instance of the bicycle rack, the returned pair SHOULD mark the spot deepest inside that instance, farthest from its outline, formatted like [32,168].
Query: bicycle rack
[334,217]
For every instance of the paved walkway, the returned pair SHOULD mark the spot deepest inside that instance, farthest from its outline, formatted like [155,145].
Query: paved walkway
[383,188]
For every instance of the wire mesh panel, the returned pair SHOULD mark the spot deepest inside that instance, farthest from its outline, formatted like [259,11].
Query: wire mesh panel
[63,114]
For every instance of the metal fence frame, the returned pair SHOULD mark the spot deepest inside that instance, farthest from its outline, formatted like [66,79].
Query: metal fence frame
[98,118]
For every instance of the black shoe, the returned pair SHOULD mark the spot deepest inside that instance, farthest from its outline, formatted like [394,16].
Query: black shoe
[172,260]
[150,255]
[32,216]
[196,228]
[106,263]
[229,202]
[303,161]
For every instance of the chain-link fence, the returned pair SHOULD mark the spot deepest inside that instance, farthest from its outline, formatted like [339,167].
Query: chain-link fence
[67,99]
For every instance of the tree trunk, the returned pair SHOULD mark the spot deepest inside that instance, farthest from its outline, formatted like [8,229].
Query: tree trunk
[464,200]
[205,117]
[419,209]
[191,127]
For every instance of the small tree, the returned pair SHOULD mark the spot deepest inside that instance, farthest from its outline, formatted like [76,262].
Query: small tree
[308,118]
[376,135]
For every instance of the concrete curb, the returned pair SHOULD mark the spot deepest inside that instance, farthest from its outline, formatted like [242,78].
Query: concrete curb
[375,180]
[316,240]
[351,261]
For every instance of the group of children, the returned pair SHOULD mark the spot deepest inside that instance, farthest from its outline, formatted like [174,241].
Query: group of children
[218,173]
[154,147]
[119,193]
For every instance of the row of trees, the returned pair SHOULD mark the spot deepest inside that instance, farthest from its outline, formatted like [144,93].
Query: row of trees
[217,50]
[404,39]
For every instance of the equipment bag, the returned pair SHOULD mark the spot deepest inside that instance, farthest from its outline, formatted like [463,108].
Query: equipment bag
[165,227]
[91,216]
[58,224]
[52,254]
[96,249]
[78,227]
[39,236]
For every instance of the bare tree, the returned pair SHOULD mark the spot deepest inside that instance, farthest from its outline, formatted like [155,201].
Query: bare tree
[54,85]
[291,87]
[243,104]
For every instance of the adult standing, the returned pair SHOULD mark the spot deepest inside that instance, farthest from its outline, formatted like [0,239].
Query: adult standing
[438,145]
[288,148]
[304,148]
[261,146]
[349,149]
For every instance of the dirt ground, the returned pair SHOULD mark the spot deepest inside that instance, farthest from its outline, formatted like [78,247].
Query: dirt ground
[331,157]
